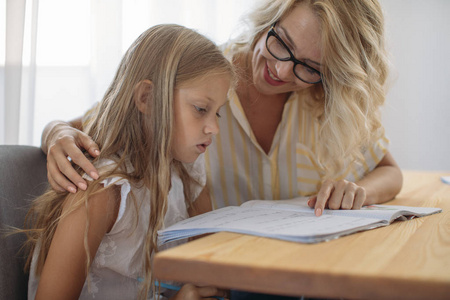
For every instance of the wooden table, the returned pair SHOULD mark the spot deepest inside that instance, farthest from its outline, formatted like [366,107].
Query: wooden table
[409,259]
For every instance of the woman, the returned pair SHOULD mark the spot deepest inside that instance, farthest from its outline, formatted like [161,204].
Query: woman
[304,119]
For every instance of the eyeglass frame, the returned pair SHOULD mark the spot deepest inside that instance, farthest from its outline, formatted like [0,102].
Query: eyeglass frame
[292,58]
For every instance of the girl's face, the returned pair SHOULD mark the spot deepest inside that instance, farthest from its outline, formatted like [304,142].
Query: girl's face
[196,110]
[300,31]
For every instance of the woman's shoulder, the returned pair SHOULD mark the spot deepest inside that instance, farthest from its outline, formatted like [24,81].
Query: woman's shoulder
[226,48]
[232,51]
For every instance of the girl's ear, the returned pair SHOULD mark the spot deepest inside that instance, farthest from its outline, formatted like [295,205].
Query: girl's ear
[142,94]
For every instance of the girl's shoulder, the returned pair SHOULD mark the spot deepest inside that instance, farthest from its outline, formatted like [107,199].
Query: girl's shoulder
[114,181]
[104,207]
[111,171]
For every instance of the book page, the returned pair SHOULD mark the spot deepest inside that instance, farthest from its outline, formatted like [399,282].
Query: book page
[289,220]
[297,204]
[386,213]
[284,224]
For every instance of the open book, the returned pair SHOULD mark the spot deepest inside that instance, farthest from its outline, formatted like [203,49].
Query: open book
[290,220]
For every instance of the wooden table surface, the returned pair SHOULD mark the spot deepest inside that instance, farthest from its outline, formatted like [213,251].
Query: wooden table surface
[408,259]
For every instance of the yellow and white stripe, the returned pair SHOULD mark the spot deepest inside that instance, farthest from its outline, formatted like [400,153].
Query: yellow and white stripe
[239,170]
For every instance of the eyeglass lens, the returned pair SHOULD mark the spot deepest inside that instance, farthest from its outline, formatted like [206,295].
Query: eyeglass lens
[279,51]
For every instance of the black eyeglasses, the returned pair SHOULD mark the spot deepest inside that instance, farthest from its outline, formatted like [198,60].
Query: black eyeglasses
[280,51]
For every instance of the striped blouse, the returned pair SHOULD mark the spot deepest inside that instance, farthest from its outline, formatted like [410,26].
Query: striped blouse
[238,169]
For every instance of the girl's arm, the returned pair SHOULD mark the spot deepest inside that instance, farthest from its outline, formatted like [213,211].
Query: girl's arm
[64,271]
[380,185]
[60,140]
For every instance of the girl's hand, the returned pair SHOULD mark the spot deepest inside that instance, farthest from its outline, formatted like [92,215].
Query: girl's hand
[192,292]
[340,194]
[64,141]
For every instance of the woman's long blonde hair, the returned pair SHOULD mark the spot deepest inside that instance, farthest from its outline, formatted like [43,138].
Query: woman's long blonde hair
[168,56]
[354,67]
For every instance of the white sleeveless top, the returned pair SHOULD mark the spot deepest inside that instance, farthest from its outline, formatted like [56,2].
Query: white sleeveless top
[118,264]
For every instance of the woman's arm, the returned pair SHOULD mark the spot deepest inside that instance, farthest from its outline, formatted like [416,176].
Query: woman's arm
[64,271]
[192,292]
[52,128]
[380,185]
[384,182]
[66,139]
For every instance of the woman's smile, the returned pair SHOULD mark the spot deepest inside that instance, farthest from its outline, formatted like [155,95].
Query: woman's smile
[271,78]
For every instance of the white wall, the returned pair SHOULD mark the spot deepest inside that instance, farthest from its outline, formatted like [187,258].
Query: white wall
[417,110]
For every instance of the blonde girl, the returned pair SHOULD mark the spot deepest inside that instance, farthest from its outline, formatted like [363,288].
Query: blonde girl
[154,123]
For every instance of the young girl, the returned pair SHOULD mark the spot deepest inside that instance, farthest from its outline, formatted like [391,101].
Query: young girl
[155,120]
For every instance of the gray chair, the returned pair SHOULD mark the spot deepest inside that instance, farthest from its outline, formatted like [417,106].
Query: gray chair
[23,176]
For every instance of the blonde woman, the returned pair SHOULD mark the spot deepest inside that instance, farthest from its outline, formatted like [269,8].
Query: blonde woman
[153,125]
[304,119]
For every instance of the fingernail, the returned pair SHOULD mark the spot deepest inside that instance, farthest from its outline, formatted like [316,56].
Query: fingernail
[318,212]
[96,152]
[94,175]
[72,189]
[82,186]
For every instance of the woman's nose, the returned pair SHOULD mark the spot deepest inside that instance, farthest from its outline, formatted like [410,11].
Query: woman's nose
[284,70]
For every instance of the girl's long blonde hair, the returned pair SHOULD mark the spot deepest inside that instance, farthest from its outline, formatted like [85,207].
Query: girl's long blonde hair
[168,56]
[354,67]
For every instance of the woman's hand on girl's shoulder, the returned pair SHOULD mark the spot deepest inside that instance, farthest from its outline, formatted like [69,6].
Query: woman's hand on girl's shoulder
[341,194]
[193,292]
[62,141]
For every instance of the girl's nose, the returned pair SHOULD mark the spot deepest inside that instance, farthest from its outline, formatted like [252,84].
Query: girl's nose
[284,70]
[212,127]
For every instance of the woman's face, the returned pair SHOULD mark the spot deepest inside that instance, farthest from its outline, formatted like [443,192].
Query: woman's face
[300,31]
